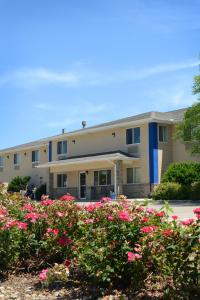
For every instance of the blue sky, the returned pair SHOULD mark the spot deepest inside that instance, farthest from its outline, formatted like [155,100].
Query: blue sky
[63,61]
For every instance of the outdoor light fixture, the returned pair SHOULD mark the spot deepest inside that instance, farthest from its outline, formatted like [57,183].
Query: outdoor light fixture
[8,156]
[45,150]
[113,134]
[87,172]
[24,153]
[73,141]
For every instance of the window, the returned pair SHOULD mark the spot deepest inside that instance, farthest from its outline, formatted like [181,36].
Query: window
[16,159]
[102,177]
[62,147]
[133,136]
[163,134]
[133,175]
[35,156]
[61,180]
[1,161]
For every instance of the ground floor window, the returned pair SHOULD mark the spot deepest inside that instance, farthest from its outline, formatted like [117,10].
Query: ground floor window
[133,175]
[102,177]
[61,180]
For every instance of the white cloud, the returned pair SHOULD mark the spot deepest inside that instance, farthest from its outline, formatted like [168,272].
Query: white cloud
[82,77]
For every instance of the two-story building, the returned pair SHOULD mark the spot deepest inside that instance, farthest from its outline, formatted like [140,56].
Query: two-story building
[126,156]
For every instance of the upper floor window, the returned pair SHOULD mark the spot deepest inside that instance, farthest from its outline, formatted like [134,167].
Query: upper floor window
[163,134]
[1,161]
[62,147]
[133,175]
[133,135]
[102,177]
[16,159]
[35,156]
[61,180]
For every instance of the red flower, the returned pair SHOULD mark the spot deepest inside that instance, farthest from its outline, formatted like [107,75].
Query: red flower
[28,207]
[145,219]
[124,216]
[64,241]
[148,229]
[197,211]
[174,217]
[160,214]
[67,197]
[168,232]
[67,262]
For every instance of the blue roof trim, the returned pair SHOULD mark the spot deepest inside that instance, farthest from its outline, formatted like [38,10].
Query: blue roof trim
[153,152]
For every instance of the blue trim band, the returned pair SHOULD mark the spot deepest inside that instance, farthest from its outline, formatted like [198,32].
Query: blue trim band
[153,152]
[50,150]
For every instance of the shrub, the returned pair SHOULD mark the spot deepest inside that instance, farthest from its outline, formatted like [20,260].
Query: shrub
[18,183]
[171,191]
[184,173]
[195,191]
[41,190]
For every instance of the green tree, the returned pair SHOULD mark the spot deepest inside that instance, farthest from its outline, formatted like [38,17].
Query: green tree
[189,129]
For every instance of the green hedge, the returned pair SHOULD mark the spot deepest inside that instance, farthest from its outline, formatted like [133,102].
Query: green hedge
[184,173]
[18,183]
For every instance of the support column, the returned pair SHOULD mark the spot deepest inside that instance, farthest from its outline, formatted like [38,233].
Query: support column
[118,177]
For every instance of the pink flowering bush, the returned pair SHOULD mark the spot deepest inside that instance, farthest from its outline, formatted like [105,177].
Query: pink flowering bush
[110,243]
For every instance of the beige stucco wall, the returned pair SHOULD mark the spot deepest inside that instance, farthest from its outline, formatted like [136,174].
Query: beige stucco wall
[165,155]
[38,176]
[180,151]
[104,142]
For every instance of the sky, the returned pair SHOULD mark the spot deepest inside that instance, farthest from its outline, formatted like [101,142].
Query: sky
[64,61]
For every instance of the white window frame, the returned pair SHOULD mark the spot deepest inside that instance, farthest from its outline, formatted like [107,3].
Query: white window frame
[63,186]
[36,161]
[62,147]
[165,137]
[134,175]
[18,160]
[106,178]
[133,143]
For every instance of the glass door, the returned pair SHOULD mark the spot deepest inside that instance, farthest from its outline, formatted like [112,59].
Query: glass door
[82,185]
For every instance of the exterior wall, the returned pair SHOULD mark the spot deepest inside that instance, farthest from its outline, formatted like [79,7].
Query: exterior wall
[38,176]
[104,142]
[180,151]
[165,154]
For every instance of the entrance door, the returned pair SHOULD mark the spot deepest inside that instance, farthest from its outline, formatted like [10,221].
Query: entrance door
[82,185]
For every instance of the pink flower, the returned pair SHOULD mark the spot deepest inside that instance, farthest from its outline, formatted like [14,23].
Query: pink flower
[67,197]
[187,222]
[3,213]
[148,229]
[174,217]
[43,275]
[54,231]
[133,256]
[197,211]
[22,225]
[150,210]
[28,207]
[90,207]
[110,218]
[47,202]
[145,219]
[89,221]
[60,214]
[64,241]
[124,216]
[32,216]
[105,199]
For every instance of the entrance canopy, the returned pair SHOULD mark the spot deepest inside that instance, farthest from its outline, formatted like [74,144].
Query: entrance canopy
[91,158]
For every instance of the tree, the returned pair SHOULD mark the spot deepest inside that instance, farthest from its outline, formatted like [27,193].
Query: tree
[18,183]
[189,129]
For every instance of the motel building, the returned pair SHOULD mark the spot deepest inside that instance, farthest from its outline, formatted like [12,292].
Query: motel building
[127,156]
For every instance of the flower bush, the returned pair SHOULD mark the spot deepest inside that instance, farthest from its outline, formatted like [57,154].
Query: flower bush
[111,243]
